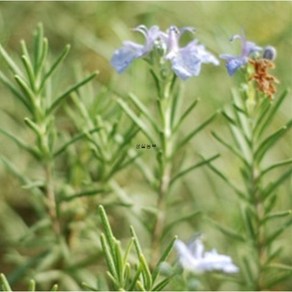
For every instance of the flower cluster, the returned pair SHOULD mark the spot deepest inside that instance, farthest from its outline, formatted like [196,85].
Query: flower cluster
[260,65]
[194,259]
[233,63]
[185,61]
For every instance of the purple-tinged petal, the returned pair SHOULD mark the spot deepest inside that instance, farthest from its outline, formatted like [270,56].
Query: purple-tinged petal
[197,248]
[151,35]
[204,55]
[250,48]
[234,64]
[186,62]
[124,56]
[130,51]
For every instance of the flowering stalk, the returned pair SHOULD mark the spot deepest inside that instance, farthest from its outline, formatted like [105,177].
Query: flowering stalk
[168,63]
[251,115]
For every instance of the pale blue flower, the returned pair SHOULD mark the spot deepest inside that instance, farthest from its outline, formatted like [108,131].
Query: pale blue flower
[186,62]
[130,51]
[233,63]
[194,259]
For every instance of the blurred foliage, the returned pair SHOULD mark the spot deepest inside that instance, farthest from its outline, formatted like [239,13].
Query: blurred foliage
[95,30]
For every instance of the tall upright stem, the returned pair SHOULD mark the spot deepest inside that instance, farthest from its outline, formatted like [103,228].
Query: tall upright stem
[254,190]
[165,165]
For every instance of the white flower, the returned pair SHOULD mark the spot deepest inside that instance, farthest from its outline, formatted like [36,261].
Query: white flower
[194,259]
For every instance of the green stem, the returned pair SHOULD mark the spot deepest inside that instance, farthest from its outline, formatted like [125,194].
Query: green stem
[51,197]
[258,207]
[165,165]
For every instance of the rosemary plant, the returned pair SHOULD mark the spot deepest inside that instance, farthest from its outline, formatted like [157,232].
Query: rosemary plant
[168,65]
[249,119]
[31,86]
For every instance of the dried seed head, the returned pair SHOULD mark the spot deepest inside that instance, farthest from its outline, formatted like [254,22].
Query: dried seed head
[270,53]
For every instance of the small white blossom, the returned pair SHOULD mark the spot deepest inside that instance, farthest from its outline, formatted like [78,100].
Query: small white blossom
[194,259]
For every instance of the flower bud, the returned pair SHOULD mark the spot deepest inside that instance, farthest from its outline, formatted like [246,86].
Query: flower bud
[270,53]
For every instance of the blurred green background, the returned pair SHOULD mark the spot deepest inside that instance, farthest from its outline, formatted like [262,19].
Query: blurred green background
[95,30]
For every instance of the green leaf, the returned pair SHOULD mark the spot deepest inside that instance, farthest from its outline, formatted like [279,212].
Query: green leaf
[194,132]
[38,45]
[136,241]
[135,279]
[162,259]
[15,92]
[107,228]
[85,193]
[273,255]
[275,165]
[279,266]
[270,239]
[230,147]
[185,114]
[141,125]
[128,249]
[278,279]
[147,278]
[185,171]
[227,231]
[114,280]
[162,284]
[270,141]
[20,143]
[243,143]
[109,256]
[35,128]
[246,215]
[228,181]
[4,283]
[29,71]
[42,57]
[64,95]
[272,186]
[55,65]
[11,64]
[248,271]
[144,110]
[14,170]
[119,263]
[75,139]
[270,204]
[25,88]
[179,220]
[268,117]
[277,215]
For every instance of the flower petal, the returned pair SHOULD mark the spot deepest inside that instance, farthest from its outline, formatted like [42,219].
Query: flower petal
[197,248]
[233,64]
[186,62]
[124,56]
[194,259]
[185,256]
